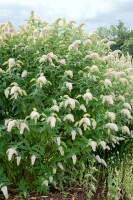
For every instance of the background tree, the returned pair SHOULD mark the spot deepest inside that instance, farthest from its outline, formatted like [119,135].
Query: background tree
[121,35]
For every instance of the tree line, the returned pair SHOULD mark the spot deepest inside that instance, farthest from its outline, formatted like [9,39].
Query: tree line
[120,34]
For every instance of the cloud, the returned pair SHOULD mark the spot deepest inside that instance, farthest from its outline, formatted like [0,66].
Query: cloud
[94,13]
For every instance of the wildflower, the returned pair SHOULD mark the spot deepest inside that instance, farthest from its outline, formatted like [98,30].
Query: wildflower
[57,21]
[92,34]
[103,144]
[87,42]
[51,179]
[93,145]
[70,102]
[108,58]
[43,59]
[74,159]
[127,113]
[114,53]
[42,80]
[108,99]
[122,98]
[80,26]
[10,152]
[11,62]
[52,56]
[98,158]
[24,74]
[62,61]
[33,159]
[45,182]
[35,34]
[79,131]
[127,105]
[85,122]
[125,129]
[111,115]
[123,80]
[10,125]
[49,57]
[69,86]
[71,22]
[61,150]
[94,123]
[107,147]
[114,139]
[94,56]
[88,96]
[58,140]
[34,114]
[74,45]
[121,74]
[69,73]
[112,126]
[7,92]
[60,165]
[109,43]
[32,14]
[43,33]
[104,40]
[73,134]
[94,68]
[130,69]
[16,90]
[4,191]
[55,108]
[69,117]
[103,162]
[54,170]
[82,107]
[107,83]
[23,126]
[18,160]
[51,120]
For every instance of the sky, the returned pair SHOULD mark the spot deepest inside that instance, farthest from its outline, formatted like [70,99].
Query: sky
[93,13]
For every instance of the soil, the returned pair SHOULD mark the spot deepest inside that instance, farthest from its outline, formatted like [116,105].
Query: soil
[71,194]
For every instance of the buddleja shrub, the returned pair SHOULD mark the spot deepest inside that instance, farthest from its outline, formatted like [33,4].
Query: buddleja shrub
[66,104]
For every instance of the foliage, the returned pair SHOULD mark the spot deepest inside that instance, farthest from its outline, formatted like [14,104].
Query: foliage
[121,35]
[66,106]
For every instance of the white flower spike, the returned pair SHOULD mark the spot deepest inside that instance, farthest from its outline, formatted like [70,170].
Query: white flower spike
[10,125]
[74,159]
[24,74]
[23,126]
[73,134]
[52,121]
[69,86]
[34,114]
[112,126]
[69,117]
[4,191]
[33,159]
[10,152]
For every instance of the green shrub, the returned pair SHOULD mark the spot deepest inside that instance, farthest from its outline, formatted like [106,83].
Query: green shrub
[66,105]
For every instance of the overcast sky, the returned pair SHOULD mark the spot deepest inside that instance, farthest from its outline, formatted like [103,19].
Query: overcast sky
[94,13]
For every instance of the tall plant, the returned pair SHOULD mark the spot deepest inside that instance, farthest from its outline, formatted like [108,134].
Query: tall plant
[66,104]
